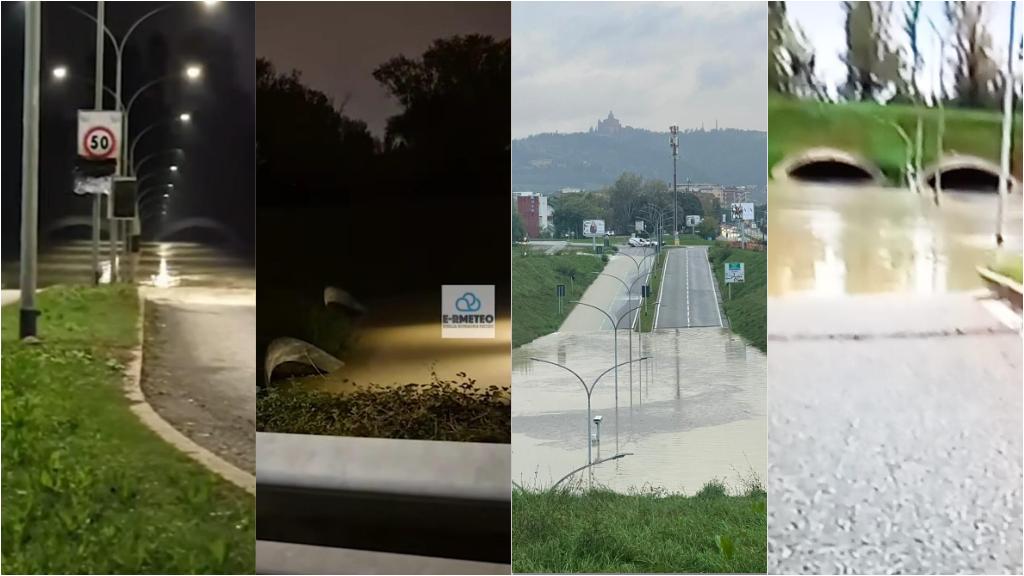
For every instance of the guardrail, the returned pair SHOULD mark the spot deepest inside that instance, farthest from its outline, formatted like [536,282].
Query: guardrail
[442,500]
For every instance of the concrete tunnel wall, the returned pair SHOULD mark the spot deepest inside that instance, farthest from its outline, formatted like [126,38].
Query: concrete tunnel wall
[961,163]
[788,167]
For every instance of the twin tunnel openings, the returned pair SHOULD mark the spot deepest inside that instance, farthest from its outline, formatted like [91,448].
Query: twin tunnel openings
[824,166]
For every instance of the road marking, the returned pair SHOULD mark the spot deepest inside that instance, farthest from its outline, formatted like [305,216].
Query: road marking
[686,290]
[661,289]
[718,307]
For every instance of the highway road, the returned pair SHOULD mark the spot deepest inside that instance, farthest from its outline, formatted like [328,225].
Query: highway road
[609,294]
[689,297]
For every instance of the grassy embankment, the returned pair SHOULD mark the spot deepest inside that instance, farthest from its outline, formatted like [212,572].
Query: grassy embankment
[747,310]
[602,531]
[87,488]
[535,278]
[866,129]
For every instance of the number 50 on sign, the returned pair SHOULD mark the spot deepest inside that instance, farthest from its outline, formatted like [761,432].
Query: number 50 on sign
[99,134]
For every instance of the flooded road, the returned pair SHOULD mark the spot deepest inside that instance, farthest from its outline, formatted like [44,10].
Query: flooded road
[830,240]
[699,415]
[159,264]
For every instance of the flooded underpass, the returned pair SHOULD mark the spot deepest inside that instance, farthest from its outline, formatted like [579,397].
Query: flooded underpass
[894,387]
[695,413]
[830,240]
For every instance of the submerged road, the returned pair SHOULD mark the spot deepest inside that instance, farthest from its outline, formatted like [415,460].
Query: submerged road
[689,297]
[609,294]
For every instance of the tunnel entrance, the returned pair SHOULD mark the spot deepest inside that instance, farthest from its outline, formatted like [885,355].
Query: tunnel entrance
[835,171]
[967,180]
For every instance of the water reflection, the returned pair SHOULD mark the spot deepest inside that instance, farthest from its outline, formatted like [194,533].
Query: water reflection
[699,416]
[832,240]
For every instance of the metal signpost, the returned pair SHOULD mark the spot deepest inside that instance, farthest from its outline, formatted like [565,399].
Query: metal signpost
[99,144]
[560,294]
[734,274]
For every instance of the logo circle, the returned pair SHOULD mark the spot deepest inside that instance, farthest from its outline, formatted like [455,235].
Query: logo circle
[92,131]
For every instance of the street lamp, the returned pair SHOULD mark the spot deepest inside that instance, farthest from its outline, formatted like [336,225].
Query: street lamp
[183,118]
[193,72]
[629,292]
[589,392]
[615,358]
[174,168]
[60,72]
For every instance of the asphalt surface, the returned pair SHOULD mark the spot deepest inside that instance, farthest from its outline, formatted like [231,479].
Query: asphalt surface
[688,294]
[199,366]
[894,435]
[610,294]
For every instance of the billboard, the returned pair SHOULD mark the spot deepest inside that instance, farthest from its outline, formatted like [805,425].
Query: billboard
[639,225]
[743,210]
[593,228]
[693,220]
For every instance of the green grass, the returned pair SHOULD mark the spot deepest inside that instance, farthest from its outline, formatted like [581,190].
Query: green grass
[747,310]
[1012,267]
[87,488]
[647,318]
[534,281]
[649,531]
[441,410]
[864,128]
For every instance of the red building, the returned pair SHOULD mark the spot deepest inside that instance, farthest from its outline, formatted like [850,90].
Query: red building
[528,207]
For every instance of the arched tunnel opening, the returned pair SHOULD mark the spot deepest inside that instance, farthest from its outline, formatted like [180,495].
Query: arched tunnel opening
[831,171]
[967,180]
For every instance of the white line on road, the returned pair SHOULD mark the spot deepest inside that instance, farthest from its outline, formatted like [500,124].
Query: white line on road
[718,307]
[687,293]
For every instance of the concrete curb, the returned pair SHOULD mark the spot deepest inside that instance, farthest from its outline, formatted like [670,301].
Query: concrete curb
[145,412]
[1003,286]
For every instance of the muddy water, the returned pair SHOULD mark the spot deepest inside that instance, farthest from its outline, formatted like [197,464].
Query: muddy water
[389,353]
[699,414]
[832,240]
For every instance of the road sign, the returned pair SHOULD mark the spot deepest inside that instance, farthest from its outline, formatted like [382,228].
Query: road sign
[693,220]
[645,290]
[99,134]
[743,210]
[122,200]
[593,228]
[639,225]
[734,272]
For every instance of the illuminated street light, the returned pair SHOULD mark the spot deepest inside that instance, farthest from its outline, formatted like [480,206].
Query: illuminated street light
[185,117]
[60,72]
[174,168]
[193,72]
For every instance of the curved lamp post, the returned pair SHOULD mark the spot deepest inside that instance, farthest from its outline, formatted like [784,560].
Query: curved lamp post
[589,392]
[615,358]
[629,292]
[183,118]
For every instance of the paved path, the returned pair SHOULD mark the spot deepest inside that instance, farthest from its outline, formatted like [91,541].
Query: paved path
[609,294]
[200,366]
[8,296]
[894,435]
[689,297]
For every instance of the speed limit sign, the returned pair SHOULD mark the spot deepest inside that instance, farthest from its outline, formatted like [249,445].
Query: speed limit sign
[99,134]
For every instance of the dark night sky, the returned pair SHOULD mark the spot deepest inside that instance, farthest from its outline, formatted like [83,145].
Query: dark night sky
[217,176]
[337,45]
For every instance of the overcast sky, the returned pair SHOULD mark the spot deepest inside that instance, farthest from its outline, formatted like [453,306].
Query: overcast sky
[824,25]
[337,45]
[653,64]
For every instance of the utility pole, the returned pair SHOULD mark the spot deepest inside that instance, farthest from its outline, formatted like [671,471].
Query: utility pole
[97,199]
[30,172]
[675,154]
[1004,154]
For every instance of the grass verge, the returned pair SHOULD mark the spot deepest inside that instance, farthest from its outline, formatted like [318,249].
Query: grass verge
[441,410]
[867,129]
[87,488]
[535,278]
[647,317]
[747,309]
[641,532]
